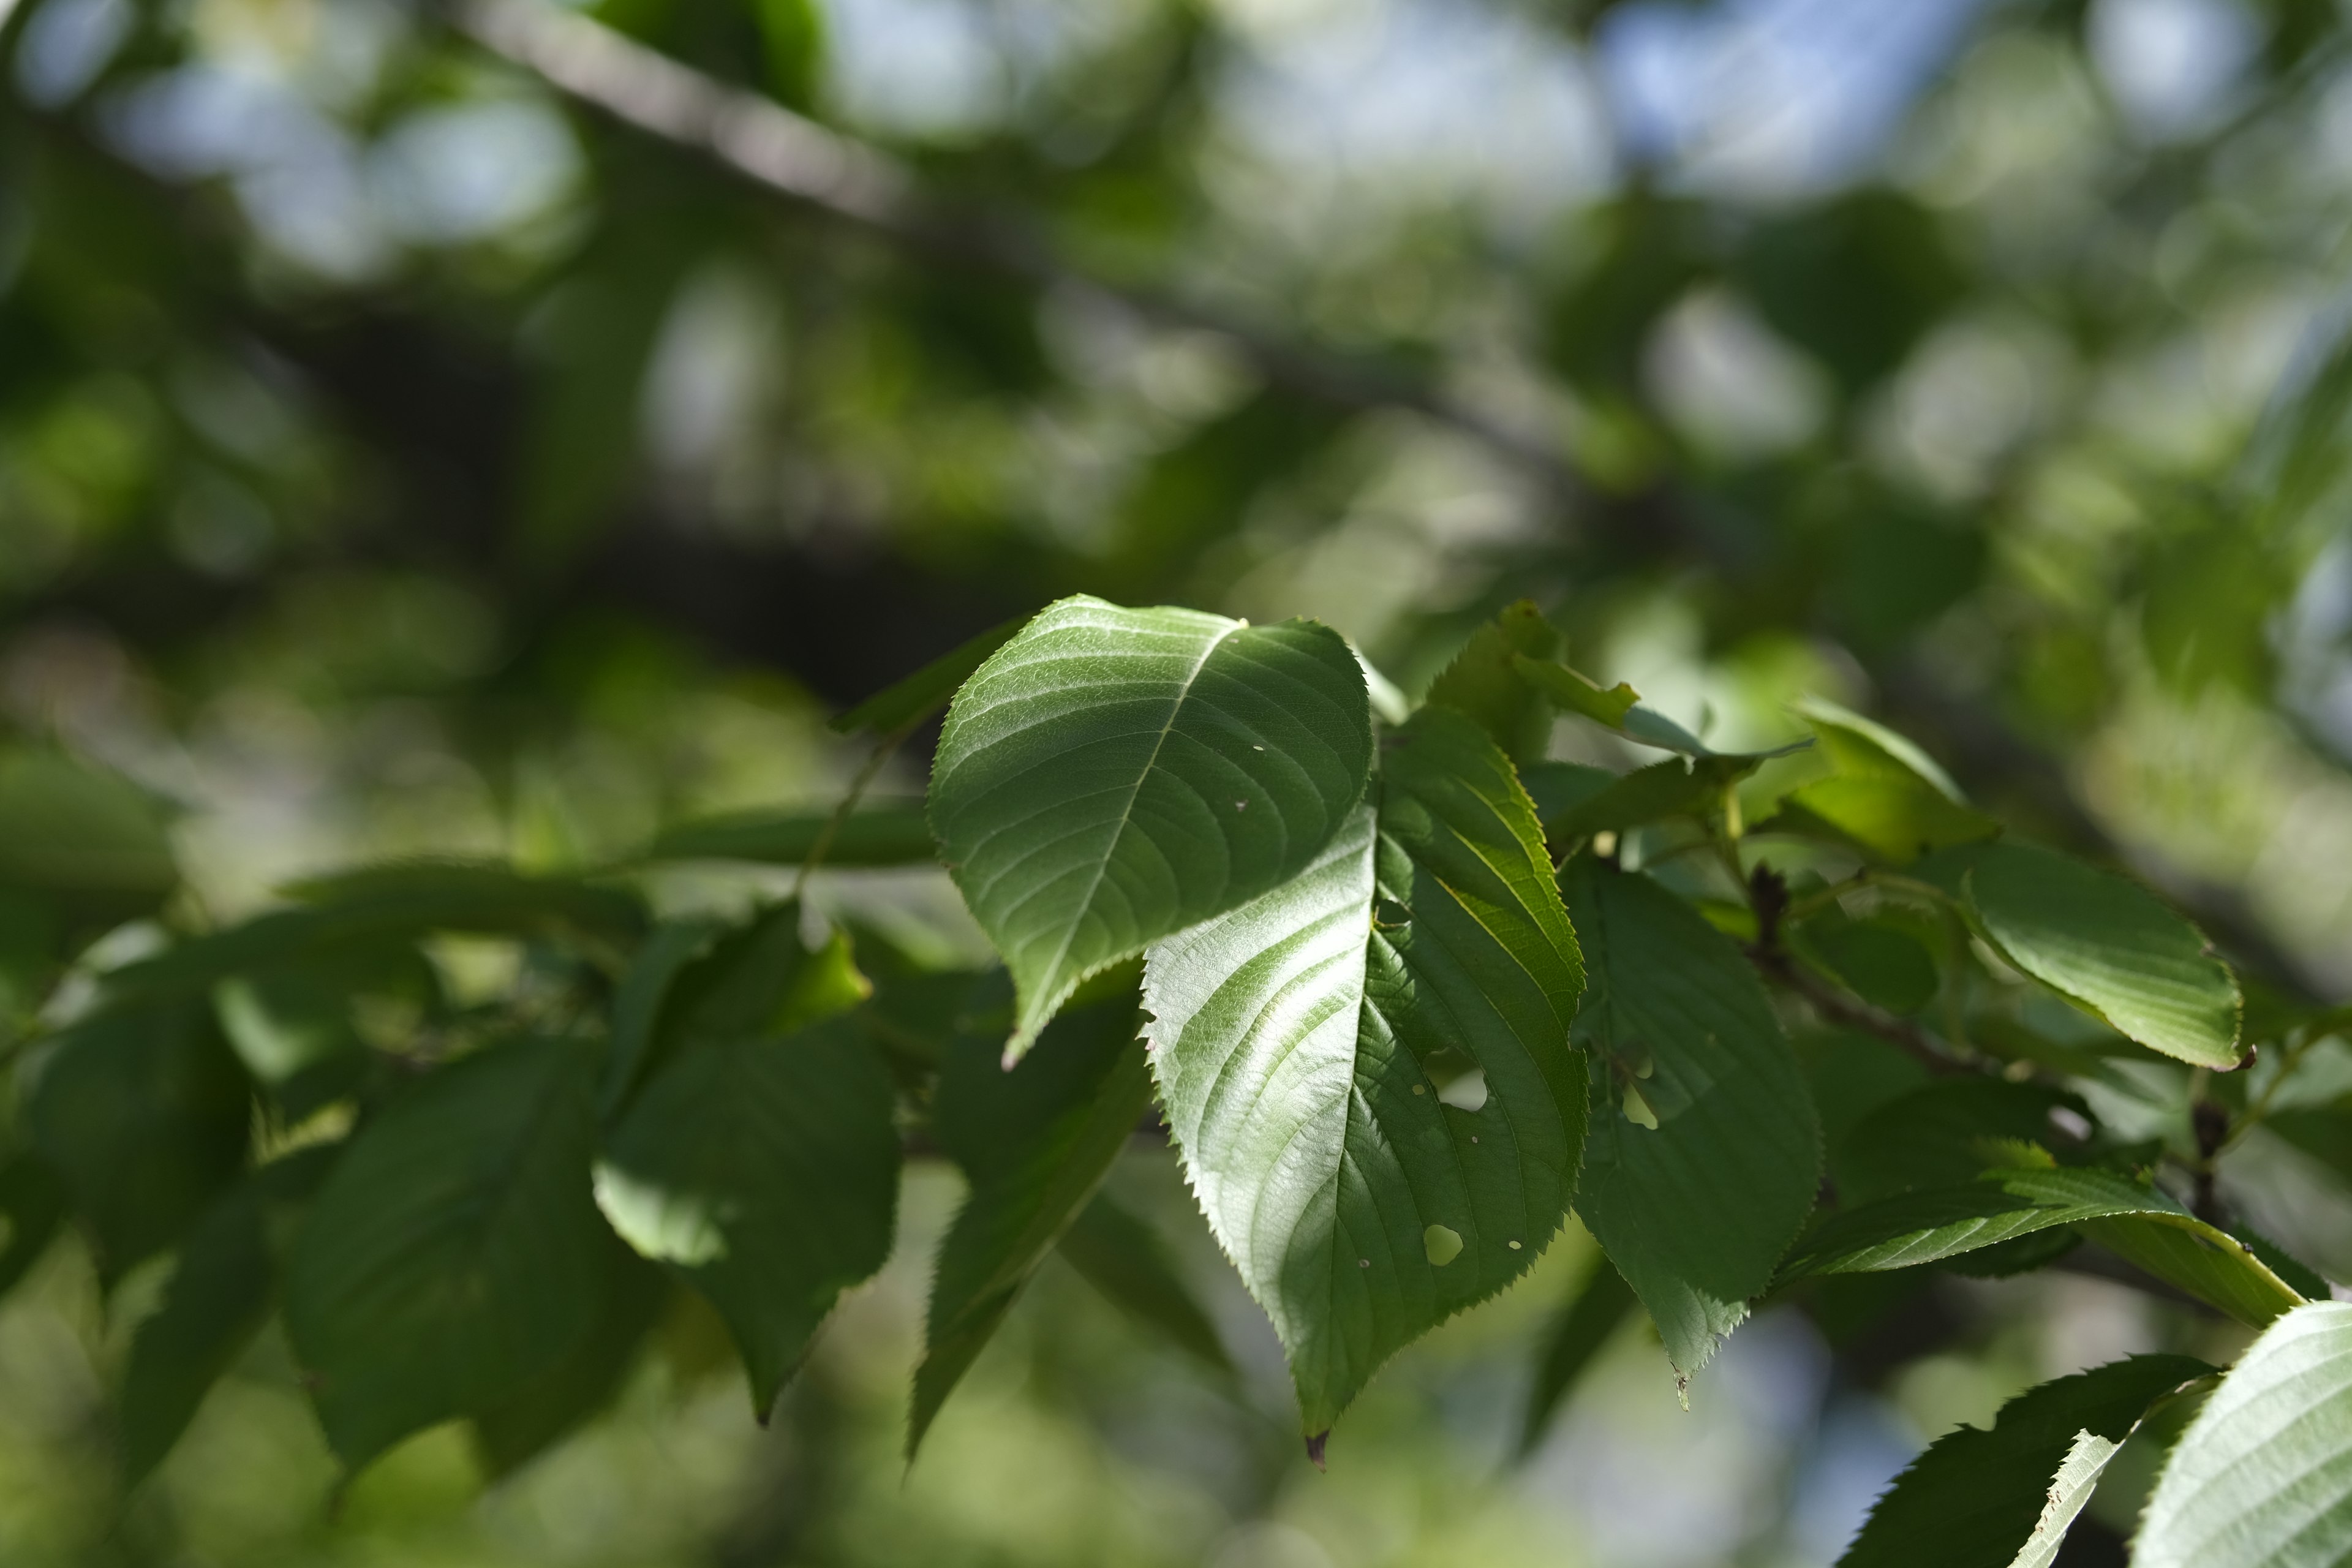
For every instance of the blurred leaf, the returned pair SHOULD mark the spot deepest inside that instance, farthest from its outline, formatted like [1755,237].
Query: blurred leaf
[1113,775]
[2210,596]
[765,1169]
[349,914]
[1861,748]
[1584,1328]
[1672,788]
[1893,821]
[1482,682]
[628,1299]
[1856,280]
[794,32]
[2109,945]
[293,1025]
[455,1252]
[1123,1259]
[2260,1478]
[1367,1069]
[1645,253]
[1559,788]
[32,1208]
[1852,1075]
[1033,1143]
[2007,1495]
[879,833]
[918,696]
[1704,1156]
[1936,1136]
[87,838]
[222,1290]
[145,1112]
[758,979]
[637,1001]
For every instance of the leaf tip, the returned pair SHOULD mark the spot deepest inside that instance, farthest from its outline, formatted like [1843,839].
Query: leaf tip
[1315,1444]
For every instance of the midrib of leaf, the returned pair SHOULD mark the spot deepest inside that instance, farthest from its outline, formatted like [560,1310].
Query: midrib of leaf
[1126,814]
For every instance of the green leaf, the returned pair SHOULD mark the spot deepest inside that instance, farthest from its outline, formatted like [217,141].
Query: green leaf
[293,1025]
[1671,788]
[1112,776]
[764,1168]
[1558,788]
[1893,821]
[454,1254]
[908,702]
[2262,1477]
[1937,1134]
[2133,1220]
[221,1291]
[1368,1070]
[637,1002]
[1878,961]
[518,1428]
[1482,682]
[879,833]
[87,837]
[1602,1303]
[1033,1143]
[32,1208]
[1856,747]
[1979,1499]
[363,909]
[2107,944]
[145,1112]
[1123,1259]
[1705,1153]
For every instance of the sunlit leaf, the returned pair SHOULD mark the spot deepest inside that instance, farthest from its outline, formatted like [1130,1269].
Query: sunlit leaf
[1368,1070]
[2262,1477]
[1482,682]
[1111,776]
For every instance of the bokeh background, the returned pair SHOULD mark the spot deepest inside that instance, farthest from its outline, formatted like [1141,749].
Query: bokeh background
[396,457]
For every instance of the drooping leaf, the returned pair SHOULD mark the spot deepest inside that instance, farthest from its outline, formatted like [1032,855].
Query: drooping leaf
[531,1419]
[1617,708]
[1482,682]
[1985,1498]
[765,1169]
[454,1253]
[145,1112]
[2262,1477]
[2133,1220]
[1111,776]
[221,1291]
[2109,945]
[1122,1257]
[294,1026]
[1705,1153]
[1034,1142]
[916,697]
[879,833]
[1601,1304]
[1368,1070]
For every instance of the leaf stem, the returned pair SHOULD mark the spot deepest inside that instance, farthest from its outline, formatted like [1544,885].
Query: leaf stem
[818,850]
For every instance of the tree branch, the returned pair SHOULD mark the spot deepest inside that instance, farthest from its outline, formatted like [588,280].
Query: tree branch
[763,142]
[1853,1012]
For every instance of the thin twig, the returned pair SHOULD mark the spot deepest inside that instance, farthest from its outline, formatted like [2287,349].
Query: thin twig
[822,844]
[1853,1012]
[794,156]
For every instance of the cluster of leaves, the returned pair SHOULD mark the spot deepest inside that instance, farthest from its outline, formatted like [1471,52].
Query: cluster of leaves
[1404,991]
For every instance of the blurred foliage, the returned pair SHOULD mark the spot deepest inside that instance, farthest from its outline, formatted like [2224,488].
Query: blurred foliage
[398,458]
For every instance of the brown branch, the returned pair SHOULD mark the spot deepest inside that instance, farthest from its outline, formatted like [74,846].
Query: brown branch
[761,140]
[1851,1011]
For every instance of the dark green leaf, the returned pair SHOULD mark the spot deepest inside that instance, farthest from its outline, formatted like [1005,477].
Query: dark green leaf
[1034,1142]
[2112,947]
[1122,1257]
[879,833]
[1939,1135]
[293,1025]
[2006,1496]
[221,1292]
[1602,1303]
[1879,962]
[1482,683]
[1368,1070]
[628,1299]
[765,1169]
[1672,788]
[1705,1155]
[1112,776]
[2262,1477]
[918,696]
[32,1209]
[84,836]
[144,1111]
[454,1254]
[637,1002]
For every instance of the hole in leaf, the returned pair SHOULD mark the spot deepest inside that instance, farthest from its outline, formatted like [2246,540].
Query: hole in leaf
[1637,1109]
[1467,1092]
[1461,1082]
[1443,1244]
